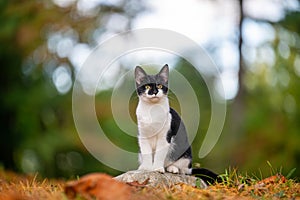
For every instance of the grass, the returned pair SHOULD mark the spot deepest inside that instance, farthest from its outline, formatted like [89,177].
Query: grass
[22,187]
[234,186]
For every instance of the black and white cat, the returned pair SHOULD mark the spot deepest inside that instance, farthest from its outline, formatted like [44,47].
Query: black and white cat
[162,137]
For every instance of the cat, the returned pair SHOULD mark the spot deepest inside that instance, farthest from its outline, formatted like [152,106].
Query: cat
[162,136]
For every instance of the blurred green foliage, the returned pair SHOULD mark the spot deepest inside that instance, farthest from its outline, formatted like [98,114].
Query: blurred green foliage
[37,128]
[272,123]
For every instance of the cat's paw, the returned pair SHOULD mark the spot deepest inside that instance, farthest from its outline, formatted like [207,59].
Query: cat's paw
[173,169]
[159,169]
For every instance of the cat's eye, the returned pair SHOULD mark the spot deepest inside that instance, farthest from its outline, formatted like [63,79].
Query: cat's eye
[159,86]
[147,87]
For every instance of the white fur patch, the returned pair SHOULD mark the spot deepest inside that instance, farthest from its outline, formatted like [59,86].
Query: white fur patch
[173,169]
[180,166]
[154,121]
[154,98]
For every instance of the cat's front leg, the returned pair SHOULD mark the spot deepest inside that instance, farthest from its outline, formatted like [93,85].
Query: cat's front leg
[161,152]
[145,162]
[146,155]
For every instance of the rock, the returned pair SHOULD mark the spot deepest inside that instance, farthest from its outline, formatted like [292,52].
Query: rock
[157,179]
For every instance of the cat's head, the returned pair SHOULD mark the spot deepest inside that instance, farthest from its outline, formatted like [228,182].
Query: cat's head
[152,88]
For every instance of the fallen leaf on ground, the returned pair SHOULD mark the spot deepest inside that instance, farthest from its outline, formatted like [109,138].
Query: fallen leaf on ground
[99,186]
[138,184]
[278,178]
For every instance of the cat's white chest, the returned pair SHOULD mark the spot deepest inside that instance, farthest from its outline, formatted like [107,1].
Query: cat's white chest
[153,119]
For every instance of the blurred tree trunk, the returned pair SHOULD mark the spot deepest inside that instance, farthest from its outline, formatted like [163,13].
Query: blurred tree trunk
[10,62]
[238,106]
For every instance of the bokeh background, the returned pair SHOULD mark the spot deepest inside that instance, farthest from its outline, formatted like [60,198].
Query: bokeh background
[254,43]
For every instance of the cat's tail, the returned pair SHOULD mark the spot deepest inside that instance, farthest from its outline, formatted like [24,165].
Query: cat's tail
[206,175]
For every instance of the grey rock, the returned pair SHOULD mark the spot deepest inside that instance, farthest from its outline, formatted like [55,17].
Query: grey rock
[157,179]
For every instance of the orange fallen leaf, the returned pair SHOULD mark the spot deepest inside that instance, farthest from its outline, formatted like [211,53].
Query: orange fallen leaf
[99,186]
[278,178]
[12,196]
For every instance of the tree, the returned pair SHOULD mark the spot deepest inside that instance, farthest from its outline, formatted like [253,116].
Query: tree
[36,39]
[270,97]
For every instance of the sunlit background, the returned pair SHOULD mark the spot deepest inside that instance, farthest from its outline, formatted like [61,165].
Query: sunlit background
[254,43]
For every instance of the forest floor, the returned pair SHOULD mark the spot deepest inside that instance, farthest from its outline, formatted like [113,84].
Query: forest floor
[23,187]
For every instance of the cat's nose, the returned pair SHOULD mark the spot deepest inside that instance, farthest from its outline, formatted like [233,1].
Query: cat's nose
[155,92]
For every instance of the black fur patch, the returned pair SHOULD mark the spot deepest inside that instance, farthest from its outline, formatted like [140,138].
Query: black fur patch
[178,135]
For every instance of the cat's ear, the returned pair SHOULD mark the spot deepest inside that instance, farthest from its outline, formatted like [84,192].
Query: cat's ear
[164,73]
[140,74]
